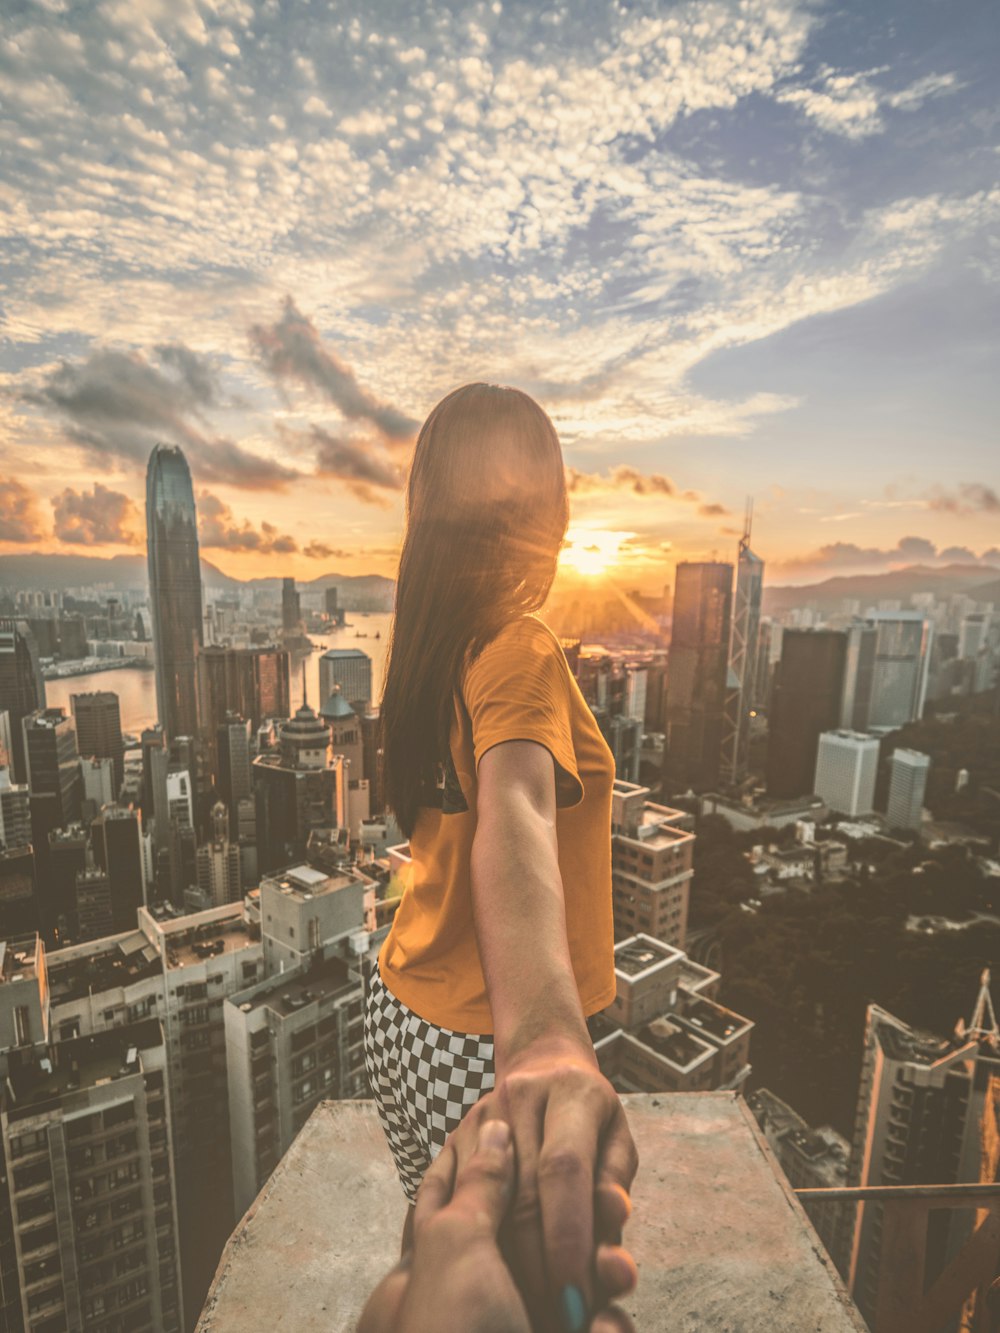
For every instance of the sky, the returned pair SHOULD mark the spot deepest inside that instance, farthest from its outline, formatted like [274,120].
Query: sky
[734,249]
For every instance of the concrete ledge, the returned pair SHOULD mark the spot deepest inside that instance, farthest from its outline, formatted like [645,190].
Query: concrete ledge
[721,1242]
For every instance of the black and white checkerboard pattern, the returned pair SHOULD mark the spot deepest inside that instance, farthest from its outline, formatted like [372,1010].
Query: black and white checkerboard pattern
[423,1078]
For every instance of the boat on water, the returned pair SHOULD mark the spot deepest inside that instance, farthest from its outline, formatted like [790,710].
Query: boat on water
[359,635]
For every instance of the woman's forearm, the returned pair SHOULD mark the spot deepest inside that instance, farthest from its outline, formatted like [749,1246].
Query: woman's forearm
[520,919]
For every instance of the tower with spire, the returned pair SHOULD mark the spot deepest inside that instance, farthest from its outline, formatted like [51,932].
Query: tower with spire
[742,665]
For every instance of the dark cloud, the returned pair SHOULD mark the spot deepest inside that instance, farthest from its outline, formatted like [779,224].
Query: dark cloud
[359,464]
[219,528]
[916,548]
[118,403]
[958,555]
[969,498]
[625,478]
[92,518]
[20,517]
[292,349]
[619,479]
[320,551]
[194,370]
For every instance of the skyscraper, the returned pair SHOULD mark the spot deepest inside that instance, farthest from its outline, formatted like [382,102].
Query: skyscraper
[22,688]
[907,788]
[99,729]
[117,835]
[696,675]
[805,703]
[291,606]
[349,668]
[174,588]
[53,762]
[899,672]
[299,787]
[846,768]
[740,684]
[253,682]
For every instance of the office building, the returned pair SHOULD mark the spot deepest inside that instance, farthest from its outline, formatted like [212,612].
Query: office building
[299,786]
[117,841]
[291,607]
[907,788]
[175,600]
[98,777]
[349,668]
[72,638]
[94,918]
[652,859]
[846,769]
[805,702]
[926,1115]
[373,759]
[252,683]
[973,634]
[218,863]
[665,1031]
[53,763]
[900,670]
[22,688]
[20,908]
[742,670]
[97,718]
[697,675]
[233,773]
[330,603]
[15,811]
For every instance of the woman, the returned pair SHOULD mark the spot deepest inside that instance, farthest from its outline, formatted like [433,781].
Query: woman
[498,775]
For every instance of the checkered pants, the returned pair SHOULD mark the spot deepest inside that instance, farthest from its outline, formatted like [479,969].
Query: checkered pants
[423,1078]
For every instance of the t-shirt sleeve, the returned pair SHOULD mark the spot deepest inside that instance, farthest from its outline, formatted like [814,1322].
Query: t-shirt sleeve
[518,689]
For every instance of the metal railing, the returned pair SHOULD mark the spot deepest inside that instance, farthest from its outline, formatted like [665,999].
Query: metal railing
[902,1305]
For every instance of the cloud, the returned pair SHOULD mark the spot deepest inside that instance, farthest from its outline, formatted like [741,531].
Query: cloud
[852,105]
[316,550]
[837,556]
[98,517]
[116,402]
[968,498]
[360,464]
[20,516]
[218,528]
[292,349]
[625,478]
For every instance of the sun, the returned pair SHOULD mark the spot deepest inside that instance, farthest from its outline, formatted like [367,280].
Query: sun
[590,550]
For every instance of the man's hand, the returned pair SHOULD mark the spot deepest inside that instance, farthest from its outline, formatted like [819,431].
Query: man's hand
[455,1277]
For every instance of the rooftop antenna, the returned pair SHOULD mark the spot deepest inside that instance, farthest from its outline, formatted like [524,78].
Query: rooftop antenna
[984,1020]
[747,523]
[305,699]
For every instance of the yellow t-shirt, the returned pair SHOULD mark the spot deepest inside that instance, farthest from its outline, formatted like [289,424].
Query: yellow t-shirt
[519,688]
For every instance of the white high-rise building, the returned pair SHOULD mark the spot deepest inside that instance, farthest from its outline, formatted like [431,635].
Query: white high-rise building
[907,786]
[846,767]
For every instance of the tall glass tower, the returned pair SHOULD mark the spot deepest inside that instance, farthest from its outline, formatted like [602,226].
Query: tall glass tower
[174,588]
[740,682]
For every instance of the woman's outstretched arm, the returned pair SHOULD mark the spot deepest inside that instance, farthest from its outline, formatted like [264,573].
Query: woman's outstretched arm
[573,1143]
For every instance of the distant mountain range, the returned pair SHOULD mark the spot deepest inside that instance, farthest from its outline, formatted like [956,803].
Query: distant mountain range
[981,582]
[366,591]
[121,572]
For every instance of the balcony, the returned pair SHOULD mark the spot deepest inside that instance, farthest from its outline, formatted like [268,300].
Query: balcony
[719,1237]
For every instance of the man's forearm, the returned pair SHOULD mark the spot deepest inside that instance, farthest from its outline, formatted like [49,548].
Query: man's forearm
[520,919]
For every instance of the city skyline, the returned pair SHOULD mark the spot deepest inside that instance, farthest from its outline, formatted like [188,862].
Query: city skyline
[733,251]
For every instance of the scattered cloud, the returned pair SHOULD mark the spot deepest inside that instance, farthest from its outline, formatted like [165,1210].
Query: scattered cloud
[20,517]
[293,349]
[630,479]
[218,528]
[97,517]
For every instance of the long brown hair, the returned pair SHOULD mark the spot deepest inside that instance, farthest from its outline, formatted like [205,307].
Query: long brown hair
[486,514]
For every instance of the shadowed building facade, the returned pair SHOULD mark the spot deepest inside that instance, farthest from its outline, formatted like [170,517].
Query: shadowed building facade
[174,588]
[696,675]
[806,702]
[22,687]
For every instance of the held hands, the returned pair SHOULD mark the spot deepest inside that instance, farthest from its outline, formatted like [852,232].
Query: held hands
[455,1277]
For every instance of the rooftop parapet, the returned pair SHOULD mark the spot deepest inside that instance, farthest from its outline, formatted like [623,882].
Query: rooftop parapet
[720,1240]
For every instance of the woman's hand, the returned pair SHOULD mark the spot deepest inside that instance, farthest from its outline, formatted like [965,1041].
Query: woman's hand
[455,1276]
